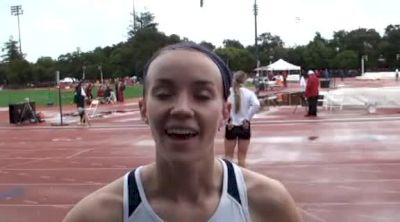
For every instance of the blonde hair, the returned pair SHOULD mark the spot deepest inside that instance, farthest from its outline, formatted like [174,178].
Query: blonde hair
[239,78]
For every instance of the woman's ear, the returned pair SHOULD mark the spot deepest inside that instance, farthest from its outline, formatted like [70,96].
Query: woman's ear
[143,111]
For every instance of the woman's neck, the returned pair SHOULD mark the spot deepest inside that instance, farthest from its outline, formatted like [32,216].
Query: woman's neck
[187,180]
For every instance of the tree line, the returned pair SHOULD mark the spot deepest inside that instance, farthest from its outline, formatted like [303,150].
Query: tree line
[343,51]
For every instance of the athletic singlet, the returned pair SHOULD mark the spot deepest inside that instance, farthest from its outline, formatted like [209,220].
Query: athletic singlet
[232,207]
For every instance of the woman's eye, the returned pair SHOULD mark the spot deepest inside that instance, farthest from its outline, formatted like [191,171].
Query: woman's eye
[162,95]
[203,96]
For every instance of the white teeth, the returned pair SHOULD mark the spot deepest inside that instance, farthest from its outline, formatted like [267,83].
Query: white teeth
[181,131]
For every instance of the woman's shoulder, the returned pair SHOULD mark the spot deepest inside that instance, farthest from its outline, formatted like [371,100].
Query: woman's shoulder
[105,204]
[246,90]
[248,93]
[267,193]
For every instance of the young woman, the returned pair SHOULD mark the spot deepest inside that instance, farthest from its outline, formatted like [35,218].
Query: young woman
[237,131]
[184,104]
[79,99]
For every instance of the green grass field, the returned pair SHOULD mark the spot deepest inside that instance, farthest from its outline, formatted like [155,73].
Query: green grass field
[42,97]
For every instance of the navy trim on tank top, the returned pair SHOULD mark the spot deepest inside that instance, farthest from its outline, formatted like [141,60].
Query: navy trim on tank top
[134,198]
[232,185]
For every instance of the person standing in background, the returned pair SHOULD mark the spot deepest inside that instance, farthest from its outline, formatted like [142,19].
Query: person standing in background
[237,132]
[88,91]
[116,81]
[120,91]
[79,99]
[312,93]
[285,75]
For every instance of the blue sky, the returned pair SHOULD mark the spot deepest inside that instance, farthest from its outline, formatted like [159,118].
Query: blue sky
[55,27]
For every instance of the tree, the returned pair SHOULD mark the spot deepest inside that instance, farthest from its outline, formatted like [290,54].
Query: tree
[295,56]
[345,60]
[17,69]
[271,48]
[44,70]
[236,58]
[390,45]
[229,43]
[3,73]
[318,54]
[145,20]
[11,51]
[145,43]
[208,45]
[19,72]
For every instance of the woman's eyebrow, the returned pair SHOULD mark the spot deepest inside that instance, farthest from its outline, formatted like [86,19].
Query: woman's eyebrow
[164,81]
[203,83]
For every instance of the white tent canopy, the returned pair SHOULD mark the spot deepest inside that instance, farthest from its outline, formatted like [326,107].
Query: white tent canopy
[280,65]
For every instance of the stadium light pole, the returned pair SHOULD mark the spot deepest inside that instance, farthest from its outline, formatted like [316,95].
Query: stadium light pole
[100,67]
[17,11]
[363,59]
[83,72]
[255,9]
[133,14]
[61,123]
[397,64]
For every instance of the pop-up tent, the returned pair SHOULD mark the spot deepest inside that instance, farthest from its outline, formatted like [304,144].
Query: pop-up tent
[280,65]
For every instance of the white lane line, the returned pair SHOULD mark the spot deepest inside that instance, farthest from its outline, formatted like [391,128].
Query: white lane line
[311,215]
[317,204]
[318,120]
[86,184]
[78,153]
[68,169]
[38,205]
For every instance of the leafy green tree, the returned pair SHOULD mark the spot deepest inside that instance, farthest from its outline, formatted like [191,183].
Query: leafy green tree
[208,45]
[145,20]
[364,42]
[145,43]
[17,70]
[229,43]
[44,70]
[295,56]
[347,59]
[390,45]
[11,51]
[236,58]
[271,48]
[3,73]
[318,54]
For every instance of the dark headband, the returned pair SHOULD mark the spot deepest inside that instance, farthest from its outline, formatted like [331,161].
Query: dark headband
[226,73]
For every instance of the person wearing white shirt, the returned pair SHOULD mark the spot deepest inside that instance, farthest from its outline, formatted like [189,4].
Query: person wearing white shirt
[238,131]
[79,99]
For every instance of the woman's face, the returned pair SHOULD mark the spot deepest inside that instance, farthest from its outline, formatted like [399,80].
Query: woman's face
[184,104]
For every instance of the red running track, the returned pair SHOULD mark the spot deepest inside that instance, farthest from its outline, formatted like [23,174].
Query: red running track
[341,166]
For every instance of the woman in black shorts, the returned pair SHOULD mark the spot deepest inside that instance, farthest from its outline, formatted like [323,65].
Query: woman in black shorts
[238,131]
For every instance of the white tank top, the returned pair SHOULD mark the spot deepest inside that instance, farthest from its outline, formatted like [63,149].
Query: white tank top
[232,207]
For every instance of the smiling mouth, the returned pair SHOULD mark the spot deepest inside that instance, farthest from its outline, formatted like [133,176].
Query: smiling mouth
[181,133]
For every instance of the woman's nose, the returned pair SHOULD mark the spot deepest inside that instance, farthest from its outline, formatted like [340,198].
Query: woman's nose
[182,108]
